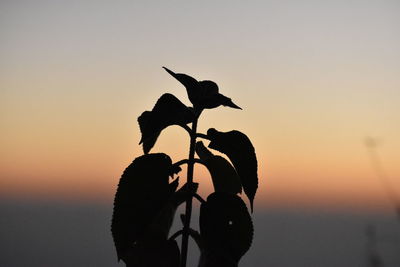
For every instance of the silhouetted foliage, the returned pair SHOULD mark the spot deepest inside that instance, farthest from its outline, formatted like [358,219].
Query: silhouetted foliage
[238,148]
[146,199]
[202,94]
[168,111]
[162,253]
[225,226]
[142,194]
[223,175]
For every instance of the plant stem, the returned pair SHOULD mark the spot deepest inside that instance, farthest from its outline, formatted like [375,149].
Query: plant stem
[204,136]
[186,161]
[188,211]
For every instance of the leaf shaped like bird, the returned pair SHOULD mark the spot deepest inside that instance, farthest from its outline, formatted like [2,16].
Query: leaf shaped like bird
[223,175]
[237,146]
[143,193]
[202,94]
[168,111]
[226,227]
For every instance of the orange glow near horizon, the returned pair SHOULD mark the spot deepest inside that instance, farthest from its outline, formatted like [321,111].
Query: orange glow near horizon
[283,183]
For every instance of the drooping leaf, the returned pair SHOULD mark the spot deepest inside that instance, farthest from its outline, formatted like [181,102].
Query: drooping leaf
[237,146]
[223,175]
[168,111]
[226,227]
[202,94]
[143,192]
[150,132]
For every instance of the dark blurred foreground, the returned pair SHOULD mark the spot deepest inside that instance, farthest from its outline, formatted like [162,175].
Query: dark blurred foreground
[43,234]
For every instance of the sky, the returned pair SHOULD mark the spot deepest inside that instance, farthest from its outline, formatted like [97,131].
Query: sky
[314,79]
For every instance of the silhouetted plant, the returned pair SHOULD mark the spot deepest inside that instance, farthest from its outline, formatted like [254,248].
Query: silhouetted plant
[146,201]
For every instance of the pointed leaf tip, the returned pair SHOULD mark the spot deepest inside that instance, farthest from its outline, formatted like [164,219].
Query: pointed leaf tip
[169,71]
[227,102]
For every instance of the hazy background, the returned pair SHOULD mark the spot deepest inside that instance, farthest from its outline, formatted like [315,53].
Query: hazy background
[314,78]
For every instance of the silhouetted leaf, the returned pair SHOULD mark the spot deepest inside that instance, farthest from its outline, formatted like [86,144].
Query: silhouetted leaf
[154,253]
[223,175]
[168,111]
[237,146]
[210,259]
[202,94]
[226,227]
[141,200]
[184,193]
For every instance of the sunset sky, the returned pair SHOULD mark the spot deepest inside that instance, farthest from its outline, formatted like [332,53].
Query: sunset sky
[314,79]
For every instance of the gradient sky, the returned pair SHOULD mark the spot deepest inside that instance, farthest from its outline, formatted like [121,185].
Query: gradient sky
[314,78]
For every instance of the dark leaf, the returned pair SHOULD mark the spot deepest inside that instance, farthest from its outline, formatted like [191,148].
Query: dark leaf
[150,132]
[141,201]
[210,259]
[184,193]
[189,82]
[223,175]
[226,101]
[202,94]
[226,227]
[159,253]
[168,111]
[237,146]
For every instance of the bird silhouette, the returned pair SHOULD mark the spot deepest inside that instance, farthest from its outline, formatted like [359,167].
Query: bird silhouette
[202,94]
